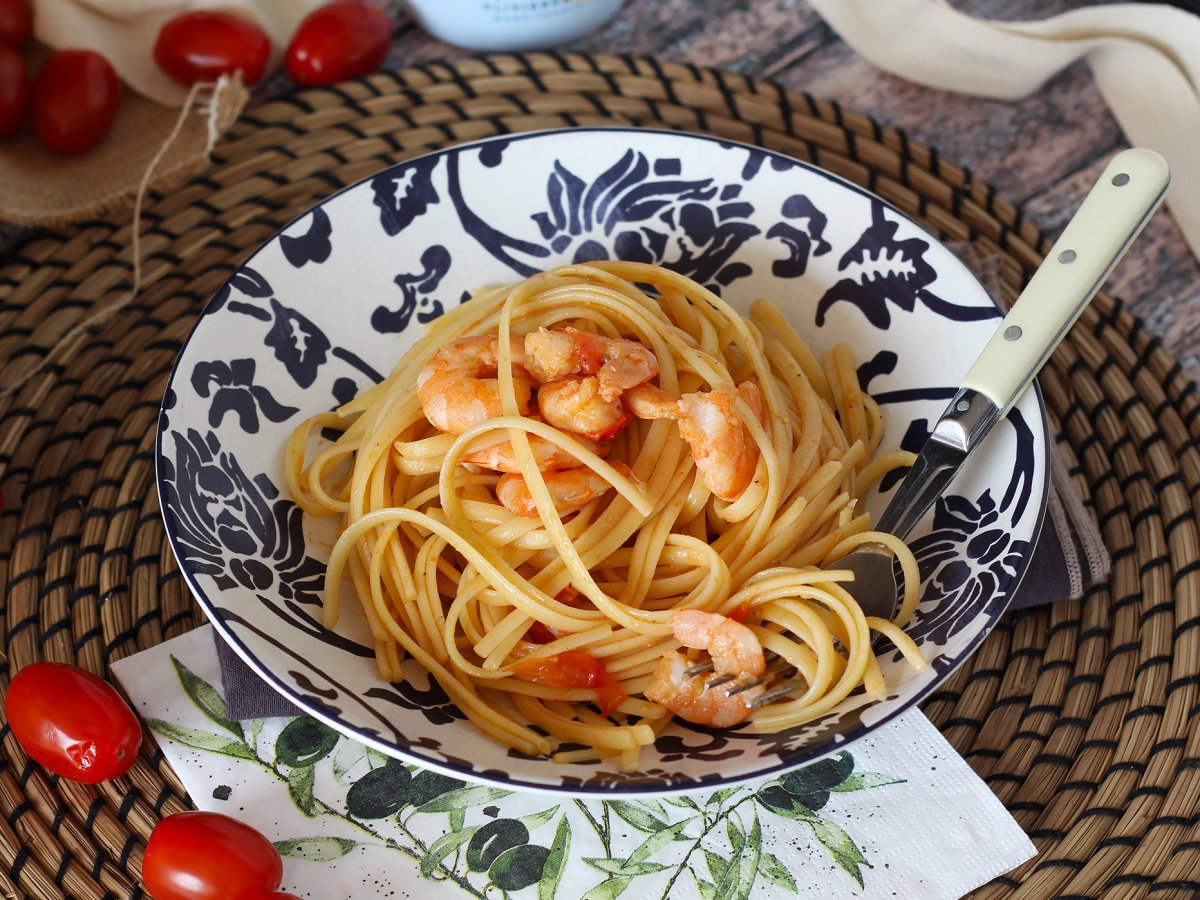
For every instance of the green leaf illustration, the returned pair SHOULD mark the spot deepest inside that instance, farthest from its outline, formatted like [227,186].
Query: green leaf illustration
[443,847]
[200,740]
[747,864]
[719,797]
[655,807]
[352,760]
[860,781]
[716,865]
[609,889]
[316,849]
[206,698]
[537,820]
[636,816]
[845,852]
[734,832]
[518,867]
[656,842]
[456,819]
[253,729]
[300,786]
[730,878]
[708,890]
[738,877]
[771,868]
[621,867]
[556,863]
[463,798]
[304,742]
[682,802]
[379,760]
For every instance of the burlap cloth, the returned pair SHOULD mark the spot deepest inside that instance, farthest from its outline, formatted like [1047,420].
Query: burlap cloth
[42,188]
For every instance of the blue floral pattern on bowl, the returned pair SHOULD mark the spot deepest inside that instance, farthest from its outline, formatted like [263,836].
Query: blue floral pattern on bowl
[333,300]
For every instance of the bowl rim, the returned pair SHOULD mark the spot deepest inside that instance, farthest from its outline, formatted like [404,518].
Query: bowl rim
[619,784]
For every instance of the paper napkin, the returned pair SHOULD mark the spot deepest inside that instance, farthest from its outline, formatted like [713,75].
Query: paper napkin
[899,814]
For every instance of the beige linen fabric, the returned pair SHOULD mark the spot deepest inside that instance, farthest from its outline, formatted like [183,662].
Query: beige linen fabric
[1145,58]
[38,187]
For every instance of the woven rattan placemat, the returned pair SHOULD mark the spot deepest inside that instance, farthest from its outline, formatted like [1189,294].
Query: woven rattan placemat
[1081,716]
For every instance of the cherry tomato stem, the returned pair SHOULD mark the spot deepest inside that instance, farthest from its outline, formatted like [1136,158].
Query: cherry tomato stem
[72,722]
[204,45]
[74,100]
[209,856]
[339,41]
[14,91]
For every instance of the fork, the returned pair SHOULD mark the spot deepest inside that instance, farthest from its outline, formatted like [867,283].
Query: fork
[1111,216]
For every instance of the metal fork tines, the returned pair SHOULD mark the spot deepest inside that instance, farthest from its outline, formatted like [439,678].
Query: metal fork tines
[702,668]
[747,684]
[779,691]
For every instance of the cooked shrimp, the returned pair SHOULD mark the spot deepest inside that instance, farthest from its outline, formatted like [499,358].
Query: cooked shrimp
[688,699]
[620,364]
[722,447]
[502,458]
[570,489]
[576,405]
[735,650]
[733,647]
[458,387]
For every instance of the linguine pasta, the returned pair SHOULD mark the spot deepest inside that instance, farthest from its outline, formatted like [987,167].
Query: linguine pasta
[501,608]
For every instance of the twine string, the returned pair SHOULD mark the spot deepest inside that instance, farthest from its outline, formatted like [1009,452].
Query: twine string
[204,97]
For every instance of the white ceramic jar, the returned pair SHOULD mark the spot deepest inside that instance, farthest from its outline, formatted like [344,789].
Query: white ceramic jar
[511,25]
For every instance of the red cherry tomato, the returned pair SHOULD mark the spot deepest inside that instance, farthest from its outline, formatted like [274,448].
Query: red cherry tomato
[74,100]
[72,722]
[339,41]
[574,669]
[741,612]
[204,45]
[209,856]
[14,23]
[14,91]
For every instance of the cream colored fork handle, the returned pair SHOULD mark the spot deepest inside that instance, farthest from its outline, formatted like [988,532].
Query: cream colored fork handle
[1110,217]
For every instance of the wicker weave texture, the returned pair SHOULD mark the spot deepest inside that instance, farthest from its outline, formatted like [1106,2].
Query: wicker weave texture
[1081,716]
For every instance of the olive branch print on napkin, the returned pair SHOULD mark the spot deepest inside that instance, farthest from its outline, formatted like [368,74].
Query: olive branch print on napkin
[459,833]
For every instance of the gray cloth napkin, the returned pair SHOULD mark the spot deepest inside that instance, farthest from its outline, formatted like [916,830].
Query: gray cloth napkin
[246,694]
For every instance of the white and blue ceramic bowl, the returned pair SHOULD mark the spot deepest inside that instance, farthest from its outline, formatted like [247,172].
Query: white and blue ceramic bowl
[331,302]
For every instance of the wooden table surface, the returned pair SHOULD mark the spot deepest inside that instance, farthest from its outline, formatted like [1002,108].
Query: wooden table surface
[1042,153]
